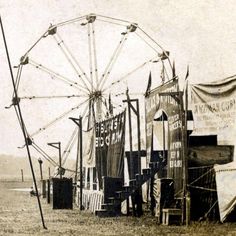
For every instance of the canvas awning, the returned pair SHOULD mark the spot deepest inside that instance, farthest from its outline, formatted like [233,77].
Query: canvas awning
[226,190]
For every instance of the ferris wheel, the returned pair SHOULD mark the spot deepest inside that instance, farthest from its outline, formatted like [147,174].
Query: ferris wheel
[83,67]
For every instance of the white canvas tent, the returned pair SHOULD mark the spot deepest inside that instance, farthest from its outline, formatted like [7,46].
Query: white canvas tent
[226,188]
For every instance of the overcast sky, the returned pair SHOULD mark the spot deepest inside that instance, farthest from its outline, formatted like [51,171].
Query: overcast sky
[200,34]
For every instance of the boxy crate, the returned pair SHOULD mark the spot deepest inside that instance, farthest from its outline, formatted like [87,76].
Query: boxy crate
[62,193]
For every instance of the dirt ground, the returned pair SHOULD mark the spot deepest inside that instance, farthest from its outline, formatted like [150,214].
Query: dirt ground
[19,215]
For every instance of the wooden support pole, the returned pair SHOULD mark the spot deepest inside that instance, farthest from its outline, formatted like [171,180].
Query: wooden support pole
[40,168]
[22,125]
[80,146]
[76,165]
[60,170]
[22,175]
[81,164]
[139,136]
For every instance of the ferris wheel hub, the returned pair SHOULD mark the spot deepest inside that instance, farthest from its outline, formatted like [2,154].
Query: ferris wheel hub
[96,95]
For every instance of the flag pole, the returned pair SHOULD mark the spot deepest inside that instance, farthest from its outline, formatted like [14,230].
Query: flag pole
[22,125]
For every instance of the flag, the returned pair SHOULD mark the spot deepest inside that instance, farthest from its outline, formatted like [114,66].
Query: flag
[173,70]
[163,73]
[187,74]
[149,84]
[110,106]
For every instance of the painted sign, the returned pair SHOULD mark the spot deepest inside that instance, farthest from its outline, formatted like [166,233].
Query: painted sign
[214,109]
[110,140]
[168,99]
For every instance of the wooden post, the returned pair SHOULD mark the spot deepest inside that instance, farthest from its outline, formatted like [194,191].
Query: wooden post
[81,164]
[187,194]
[22,175]
[23,128]
[60,171]
[138,193]
[76,164]
[40,167]
[80,142]
[139,137]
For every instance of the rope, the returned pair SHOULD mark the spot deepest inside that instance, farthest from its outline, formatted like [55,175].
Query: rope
[65,50]
[201,177]
[58,118]
[198,187]
[57,75]
[206,214]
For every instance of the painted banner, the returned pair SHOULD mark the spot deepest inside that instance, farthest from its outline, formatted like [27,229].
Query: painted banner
[89,148]
[226,191]
[110,141]
[161,99]
[214,109]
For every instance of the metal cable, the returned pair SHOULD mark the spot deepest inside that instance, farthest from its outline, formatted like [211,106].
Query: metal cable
[57,75]
[95,55]
[67,53]
[128,74]
[90,56]
[44,154]
[52,97]
[112,60]
[58,118]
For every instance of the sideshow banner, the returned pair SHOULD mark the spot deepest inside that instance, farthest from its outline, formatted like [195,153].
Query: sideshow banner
[89,148]
[172,105]
[226,191]
[214,109]
[110,140]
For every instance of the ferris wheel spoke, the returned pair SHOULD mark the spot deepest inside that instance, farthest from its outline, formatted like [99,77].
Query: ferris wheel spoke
[128,74]
[58,118]
[72,60]
[113,59]
[44,154]
[92,52]
[69,146]
[57,75]
[51,97]
[72,140]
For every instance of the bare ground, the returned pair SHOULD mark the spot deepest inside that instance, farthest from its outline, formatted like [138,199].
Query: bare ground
[19,215]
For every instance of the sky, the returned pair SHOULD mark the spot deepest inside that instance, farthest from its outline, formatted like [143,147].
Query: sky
[200,34]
